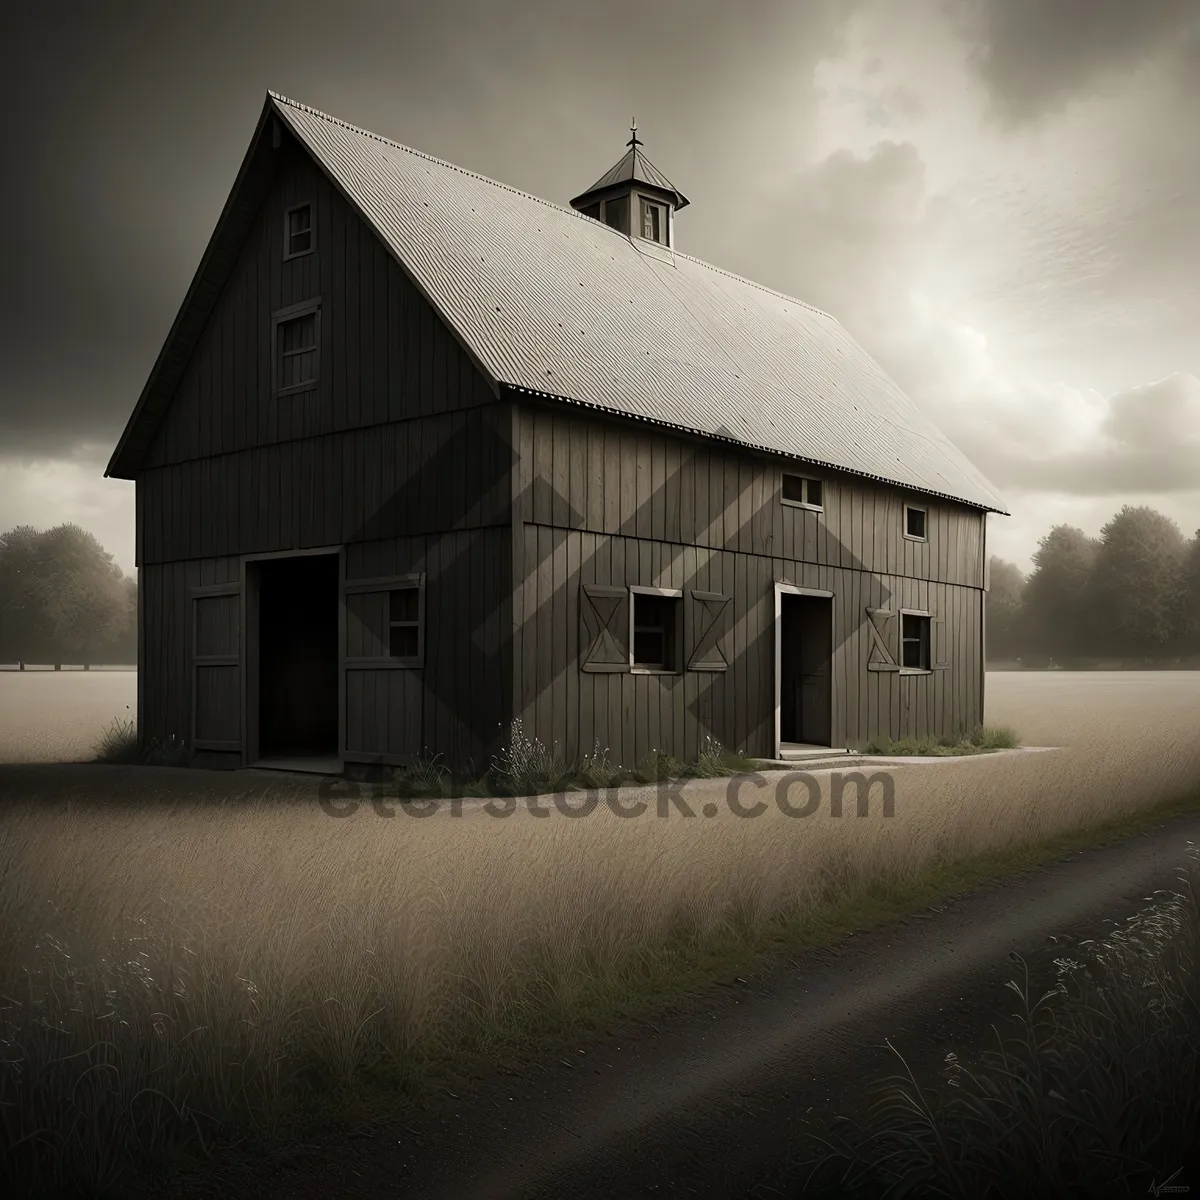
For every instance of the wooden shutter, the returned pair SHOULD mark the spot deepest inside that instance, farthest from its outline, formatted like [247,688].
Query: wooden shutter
[706,624]
[880,656]
[603,628]
[216,667]
[939,646]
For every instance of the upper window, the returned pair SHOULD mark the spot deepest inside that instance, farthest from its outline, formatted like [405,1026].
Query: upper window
[298,231]
[592,210]
[296,342]
[654,221]
[654,627]
[801,490]
[914,522]
[914,641]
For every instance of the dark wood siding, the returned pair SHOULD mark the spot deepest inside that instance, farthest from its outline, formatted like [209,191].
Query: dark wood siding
[444,472]
[578,471]
[384,354]
[458,704]
[601,502]
[400,453]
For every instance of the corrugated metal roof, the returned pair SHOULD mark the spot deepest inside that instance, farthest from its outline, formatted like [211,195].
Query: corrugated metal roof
[635,167]
[556,303]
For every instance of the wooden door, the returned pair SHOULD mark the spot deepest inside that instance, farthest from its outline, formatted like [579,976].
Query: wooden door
[216,667]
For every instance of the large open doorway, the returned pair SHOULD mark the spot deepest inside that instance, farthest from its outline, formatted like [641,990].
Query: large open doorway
[803,668]
[297,601]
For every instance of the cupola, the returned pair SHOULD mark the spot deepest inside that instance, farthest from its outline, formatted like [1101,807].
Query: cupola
[634,196]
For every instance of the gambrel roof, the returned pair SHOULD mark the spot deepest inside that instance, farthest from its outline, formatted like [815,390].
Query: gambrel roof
[553,303]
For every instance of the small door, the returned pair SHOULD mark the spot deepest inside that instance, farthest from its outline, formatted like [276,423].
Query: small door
[216,667]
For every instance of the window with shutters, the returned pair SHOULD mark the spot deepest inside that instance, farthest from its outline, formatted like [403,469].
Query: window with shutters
[915,653]
[655,627]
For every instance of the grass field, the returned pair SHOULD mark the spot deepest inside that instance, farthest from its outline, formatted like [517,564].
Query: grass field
[172,971]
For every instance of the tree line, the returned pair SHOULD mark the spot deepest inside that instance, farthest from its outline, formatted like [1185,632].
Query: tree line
[63,599]
[1130,595]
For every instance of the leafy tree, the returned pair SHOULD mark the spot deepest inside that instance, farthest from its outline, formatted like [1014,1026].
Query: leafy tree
[1005,609]
[1133,596]
[24,628]
[62,597]
[83,595]
[1188,616]
[1055,594]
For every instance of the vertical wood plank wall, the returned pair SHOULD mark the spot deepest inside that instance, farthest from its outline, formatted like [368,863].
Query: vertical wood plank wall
[601,501]
[401,453]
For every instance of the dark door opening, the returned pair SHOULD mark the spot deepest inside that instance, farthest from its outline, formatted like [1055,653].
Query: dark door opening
[298,657]
[805,669]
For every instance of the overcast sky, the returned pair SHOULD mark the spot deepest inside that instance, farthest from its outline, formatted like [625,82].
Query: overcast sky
[999,198]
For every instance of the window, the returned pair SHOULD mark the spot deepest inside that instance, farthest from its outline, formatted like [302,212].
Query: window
[616,213]
[654,221]
[914,641]
[298,231]
[404,622]
[592,210]
[802,491]
[654,629]
[296,342]
[914,523]
[385,621]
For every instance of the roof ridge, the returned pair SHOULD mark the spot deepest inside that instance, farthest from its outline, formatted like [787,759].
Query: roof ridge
[563,208]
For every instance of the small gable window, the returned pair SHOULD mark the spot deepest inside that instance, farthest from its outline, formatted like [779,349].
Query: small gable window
[803,491]
[296,347]
[298,228]
[914,522]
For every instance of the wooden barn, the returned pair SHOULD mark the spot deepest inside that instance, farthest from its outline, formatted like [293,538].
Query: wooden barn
[424,454]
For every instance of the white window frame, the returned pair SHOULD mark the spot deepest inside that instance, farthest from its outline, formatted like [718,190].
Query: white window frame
[924,511]
[805,503]
[670,593]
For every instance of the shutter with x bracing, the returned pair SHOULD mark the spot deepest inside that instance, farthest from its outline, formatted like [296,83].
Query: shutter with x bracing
[706,624]
[880,656]
[603,627]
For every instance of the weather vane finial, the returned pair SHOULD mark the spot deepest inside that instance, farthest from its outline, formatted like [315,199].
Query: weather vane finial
[634,140]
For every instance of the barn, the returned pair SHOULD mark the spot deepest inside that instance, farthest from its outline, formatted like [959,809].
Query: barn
[423,454]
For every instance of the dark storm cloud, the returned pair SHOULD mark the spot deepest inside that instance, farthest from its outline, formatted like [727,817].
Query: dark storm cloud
[1035,54]
[135,116]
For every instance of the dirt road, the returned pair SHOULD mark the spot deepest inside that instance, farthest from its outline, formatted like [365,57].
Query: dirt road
[708,1103]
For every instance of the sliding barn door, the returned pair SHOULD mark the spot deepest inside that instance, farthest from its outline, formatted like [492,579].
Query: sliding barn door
[216,667]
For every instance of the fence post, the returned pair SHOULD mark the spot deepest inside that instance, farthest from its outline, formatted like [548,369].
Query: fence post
[21,666]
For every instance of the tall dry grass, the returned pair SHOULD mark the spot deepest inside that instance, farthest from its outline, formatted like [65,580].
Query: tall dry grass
[171,971]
